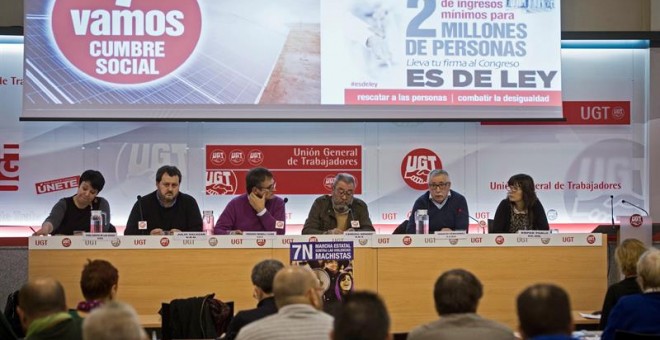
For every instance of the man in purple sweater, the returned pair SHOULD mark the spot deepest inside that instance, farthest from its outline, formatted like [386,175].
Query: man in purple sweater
[257,210]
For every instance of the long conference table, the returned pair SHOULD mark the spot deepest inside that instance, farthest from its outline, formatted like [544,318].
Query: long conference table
[401,268]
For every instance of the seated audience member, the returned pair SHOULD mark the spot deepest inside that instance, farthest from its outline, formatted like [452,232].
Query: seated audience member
[98,283]
[639,313]
[626,256]
[447,209]
[262,277]
[298,298]
[362,316]
[257,210]
[338,212]
[73,213]
[114,320]
[43,313]
[166,209]
[544,313]
[457,293]
[521,210]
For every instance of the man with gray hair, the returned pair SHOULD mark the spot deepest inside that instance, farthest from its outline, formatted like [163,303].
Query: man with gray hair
[114,320]
[446,208]
[263,274]
[298,298]
[339,211]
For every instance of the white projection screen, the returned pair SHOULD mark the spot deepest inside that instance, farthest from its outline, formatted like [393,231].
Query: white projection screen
[292,60]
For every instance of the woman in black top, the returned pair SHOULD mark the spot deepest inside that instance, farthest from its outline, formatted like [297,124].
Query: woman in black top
[73,213]
[626,256]
[521,210]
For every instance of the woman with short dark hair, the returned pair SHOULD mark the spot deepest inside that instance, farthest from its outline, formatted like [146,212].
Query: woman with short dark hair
[73,213]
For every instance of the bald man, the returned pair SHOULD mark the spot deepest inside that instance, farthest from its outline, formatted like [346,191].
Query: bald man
[43,313]
[298,296]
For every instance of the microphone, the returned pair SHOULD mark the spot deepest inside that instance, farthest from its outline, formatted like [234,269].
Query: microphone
[460,211]
[612,208]
[285,199]
[139,199]
[636,206]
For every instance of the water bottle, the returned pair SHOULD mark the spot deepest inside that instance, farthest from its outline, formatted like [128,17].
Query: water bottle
[422,221]
[208,222]
[96,221]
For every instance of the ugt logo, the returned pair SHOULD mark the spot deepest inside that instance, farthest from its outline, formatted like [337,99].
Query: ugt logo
[416,166]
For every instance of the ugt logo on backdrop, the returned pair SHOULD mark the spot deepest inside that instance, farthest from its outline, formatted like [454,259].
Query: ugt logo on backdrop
[416,166]
[125,41]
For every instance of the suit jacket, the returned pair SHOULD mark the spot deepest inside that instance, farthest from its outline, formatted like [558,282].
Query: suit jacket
[264,308]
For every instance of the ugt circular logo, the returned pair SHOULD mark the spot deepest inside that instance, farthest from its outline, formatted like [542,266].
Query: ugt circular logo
[66,242]
[407,240]
[217,157]
[126,41]
[499,239]
[591,239]
[164,242]
[636,220]
[416,166]
[255,157]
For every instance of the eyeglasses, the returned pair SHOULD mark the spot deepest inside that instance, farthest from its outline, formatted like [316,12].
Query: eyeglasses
[441,185]
[269,188]
[513,188]
[342,192]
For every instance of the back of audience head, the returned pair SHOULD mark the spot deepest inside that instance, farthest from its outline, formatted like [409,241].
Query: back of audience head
[627,254]
[114,320]
[99,280]
[362,316]
[39,298]
[297,285]
[457,291]
[263,274]
[648,271]
[544,309]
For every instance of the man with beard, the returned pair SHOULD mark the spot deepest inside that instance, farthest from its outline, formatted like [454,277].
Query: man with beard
[340,211]
[165,210]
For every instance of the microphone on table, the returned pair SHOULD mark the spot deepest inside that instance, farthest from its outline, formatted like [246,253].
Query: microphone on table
[462,212]
[636,206]
[139,199]
[612,208]
[285,199]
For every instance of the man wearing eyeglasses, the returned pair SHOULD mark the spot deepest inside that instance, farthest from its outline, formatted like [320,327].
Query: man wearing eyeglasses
[446,208]
[340,211]
[257,210]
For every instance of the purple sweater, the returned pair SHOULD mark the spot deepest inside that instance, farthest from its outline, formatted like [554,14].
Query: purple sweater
[239,215]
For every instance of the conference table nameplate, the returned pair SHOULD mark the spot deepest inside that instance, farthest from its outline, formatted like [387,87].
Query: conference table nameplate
[402,268]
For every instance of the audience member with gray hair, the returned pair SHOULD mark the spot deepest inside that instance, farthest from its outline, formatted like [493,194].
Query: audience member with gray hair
[114,320]
[339,211]
[298,297]
[639,313]
[263,274]
[446,208]
[457,293]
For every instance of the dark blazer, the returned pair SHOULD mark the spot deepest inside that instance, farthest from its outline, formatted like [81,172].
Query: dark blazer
[503,217]
[627,286]
[264,308]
